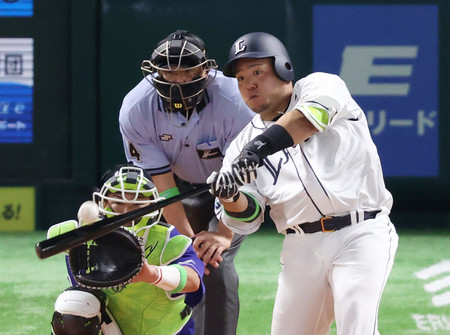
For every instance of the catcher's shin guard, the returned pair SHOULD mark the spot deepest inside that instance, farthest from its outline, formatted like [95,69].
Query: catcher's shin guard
[77,312]
[82,312]
[67,324]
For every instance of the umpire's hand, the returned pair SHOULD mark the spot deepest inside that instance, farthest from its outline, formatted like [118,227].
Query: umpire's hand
[209,245]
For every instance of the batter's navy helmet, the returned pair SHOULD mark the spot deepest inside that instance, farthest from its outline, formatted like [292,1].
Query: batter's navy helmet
[260,45]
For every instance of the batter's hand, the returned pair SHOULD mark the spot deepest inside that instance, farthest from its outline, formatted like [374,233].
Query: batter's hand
[209,247]
[244,171]
[223,185]
[254,151]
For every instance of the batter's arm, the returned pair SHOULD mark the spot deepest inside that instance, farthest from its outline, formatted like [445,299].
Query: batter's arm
[297,125]
[290,129]
[174,214]
[237,206]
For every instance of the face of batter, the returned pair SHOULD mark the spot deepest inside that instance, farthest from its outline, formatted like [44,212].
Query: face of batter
[261,89]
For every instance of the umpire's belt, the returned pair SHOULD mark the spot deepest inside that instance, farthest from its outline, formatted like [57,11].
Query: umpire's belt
[328,224]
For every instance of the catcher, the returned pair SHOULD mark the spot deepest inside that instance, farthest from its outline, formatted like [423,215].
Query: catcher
[144,278]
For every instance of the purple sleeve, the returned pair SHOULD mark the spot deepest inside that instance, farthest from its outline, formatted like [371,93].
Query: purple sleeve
[190,259]
[70,275]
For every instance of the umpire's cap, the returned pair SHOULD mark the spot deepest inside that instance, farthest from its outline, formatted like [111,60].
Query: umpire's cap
[260,45]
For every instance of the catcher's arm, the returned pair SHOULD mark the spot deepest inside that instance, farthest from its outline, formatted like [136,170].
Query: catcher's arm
[172,278]
[61,228]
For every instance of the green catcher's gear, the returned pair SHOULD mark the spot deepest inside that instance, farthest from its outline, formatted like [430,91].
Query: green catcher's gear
[111,261]
[129,185]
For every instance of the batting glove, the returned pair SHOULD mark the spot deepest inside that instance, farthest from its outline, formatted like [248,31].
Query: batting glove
[254,152]
[223,186]
[244,171]
[274,139]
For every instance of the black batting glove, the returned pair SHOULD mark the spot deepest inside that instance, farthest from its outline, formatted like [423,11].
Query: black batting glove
[244,171]
[255,151]
[223,186]
[272,140]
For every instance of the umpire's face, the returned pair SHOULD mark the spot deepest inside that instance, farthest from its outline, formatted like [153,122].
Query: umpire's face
[182,75]
[260,87]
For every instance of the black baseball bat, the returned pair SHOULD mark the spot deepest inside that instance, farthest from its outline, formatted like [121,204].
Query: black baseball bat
[76,237]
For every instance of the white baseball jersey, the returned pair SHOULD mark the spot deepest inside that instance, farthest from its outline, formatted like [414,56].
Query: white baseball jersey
[160,142]
[334,172]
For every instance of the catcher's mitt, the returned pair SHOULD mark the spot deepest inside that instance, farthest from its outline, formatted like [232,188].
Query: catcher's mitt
[111,261]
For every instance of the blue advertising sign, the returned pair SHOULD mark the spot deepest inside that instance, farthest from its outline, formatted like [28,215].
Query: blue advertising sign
[16,90]
[16,8]
[388,57]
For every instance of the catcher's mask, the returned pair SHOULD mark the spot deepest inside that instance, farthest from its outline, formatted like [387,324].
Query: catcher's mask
[128,185]
[180,51]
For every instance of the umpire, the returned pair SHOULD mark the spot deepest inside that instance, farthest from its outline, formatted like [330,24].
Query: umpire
[176,124]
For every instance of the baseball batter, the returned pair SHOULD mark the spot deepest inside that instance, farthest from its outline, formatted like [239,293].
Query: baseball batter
[177,124]
[308,154]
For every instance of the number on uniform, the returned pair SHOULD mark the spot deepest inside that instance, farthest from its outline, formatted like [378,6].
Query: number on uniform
[133,152]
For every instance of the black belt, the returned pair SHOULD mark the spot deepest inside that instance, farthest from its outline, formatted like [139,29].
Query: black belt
[329,224]
[185,312]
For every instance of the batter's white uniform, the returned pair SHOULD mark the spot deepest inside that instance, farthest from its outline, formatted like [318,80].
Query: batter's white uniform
[325,275]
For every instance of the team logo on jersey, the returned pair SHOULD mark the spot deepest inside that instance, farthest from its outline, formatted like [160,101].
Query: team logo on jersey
[239,47]
[275,170]
[165,137]
[259,144]
[209,153]
[150,249]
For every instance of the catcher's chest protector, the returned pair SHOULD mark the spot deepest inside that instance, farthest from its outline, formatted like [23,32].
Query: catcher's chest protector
[160,249]
[143,308]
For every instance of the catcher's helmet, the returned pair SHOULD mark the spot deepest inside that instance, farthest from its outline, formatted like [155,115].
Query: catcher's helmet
[128,185]
[180,50]
[260,45]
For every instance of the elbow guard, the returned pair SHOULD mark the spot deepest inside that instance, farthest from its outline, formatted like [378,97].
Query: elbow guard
[250,213]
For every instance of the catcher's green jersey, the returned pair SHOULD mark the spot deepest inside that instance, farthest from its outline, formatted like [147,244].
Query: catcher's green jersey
[142,308]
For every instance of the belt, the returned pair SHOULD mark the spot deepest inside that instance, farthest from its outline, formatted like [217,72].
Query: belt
[186,311]
[329,224]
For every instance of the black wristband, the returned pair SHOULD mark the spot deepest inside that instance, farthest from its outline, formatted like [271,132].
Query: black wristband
[278,138]
[274,139]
